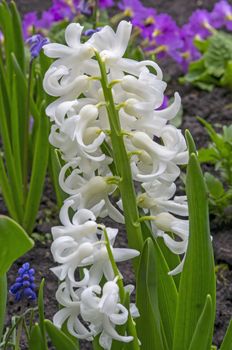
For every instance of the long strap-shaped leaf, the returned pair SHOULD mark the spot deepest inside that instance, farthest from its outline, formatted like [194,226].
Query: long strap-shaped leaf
[35,342]
[149,323]
[8,32]
[59,339]
[227,341]
[10,164]
[167,295]
[203,328]
[197,278]
[18,35]
[7,192]
[39,168]
[3,300]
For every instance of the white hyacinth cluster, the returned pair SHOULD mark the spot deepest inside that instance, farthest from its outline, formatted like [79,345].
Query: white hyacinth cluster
[89,292]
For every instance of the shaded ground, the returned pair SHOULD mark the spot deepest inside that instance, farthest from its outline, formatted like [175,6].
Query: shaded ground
[214,107]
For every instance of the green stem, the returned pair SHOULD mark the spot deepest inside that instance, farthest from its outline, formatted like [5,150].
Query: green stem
[114,266]
[122,164]
[124,297]
[19,333]
[3,299]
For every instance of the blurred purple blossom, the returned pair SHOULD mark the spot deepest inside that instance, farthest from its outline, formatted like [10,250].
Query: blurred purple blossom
[36,42]
[90,32]
[160,32]
[131,8]
[104,4]
[222,15]
[29,21]
[201,23]
[84,8]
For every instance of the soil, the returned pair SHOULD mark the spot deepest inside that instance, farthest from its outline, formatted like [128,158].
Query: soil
[215,107]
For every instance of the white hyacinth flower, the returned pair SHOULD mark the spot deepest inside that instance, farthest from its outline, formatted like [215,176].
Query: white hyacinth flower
[104,312]
[88,78]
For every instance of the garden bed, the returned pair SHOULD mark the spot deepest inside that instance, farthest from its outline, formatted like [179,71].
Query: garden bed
[214,107]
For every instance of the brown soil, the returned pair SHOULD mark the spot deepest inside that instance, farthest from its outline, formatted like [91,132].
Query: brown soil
[214,107]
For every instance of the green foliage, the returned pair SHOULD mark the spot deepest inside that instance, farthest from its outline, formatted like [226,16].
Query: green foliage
[23,125]
[14,243]
[58,338]
[149,322]
[227,341]
[218,154]
[214,68]
[197,278]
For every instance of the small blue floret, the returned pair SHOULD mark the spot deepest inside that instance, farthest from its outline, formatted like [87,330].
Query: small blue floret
[24,286]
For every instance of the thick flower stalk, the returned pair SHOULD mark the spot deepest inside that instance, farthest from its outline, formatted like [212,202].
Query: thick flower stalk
[107,123]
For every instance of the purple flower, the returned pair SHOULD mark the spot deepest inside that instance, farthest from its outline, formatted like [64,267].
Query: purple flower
[164,36]
[29,21]
[131,8]
[144,18]
[103,4]
[36,43]
[222,15]
[201,23]
[46,21]
[188,52]
[24,286]
[85,8]
[90,32]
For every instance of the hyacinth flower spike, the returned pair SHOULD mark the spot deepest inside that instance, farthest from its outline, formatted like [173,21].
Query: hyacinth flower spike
[103,159]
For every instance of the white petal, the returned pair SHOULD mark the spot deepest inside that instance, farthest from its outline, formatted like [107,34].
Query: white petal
[73,34]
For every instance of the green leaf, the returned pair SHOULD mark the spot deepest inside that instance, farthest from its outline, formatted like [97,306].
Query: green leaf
[190,142]
[214,186]
[18,35]
[149,323]
[226,79]
[96,345]
[36,341]
[58,338]
[227,133]
[217,139]
[3,301]
[41,314]
[55,166]
[39,167]
[207,155]
[198,277]
[171,259]
[167,295]
[201,45]
[7,29]
[14,242]
[9,162]
[227,341]
[200,340]
[7,192]
[218,53]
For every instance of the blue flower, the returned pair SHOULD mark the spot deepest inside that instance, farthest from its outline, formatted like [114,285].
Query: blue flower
[90,32]
[24,286]
[36,43]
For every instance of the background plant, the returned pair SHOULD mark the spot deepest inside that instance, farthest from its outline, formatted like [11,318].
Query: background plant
[218,154]
[194,46]
[23,125]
